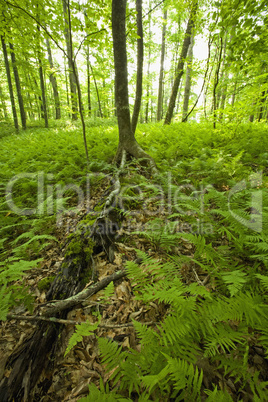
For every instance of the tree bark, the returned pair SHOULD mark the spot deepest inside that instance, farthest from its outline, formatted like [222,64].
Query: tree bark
[148,70]
[3,104]
[188,82]
[263,98]
[138,96]
[161,74]
[18,87]
[72,80]
[127,139]
[53,81]
[42,83]
[216,83]
[88,84]
[179,72]
[66,86]
[10,86]
[97,91]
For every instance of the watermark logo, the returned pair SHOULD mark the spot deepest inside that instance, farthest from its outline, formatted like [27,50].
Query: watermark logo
[183,204]
[254,222]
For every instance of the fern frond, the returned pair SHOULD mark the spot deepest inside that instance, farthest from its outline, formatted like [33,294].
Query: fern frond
[264,280]
[218,395]
[235,280]
[225,338]
[81,330]
[185,378]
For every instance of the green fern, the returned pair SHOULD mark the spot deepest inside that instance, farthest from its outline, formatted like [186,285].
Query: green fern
[11,294]
[84,329]
[235,280]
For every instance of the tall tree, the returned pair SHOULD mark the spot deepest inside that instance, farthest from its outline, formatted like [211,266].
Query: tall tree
[88,82]
[3,103]
[138,96]
[41,78]
[188,82]
[179,72]
[161,74]
[148,68]
[18,87]
[10,86]
[127,141]
[68,40]
[53,81]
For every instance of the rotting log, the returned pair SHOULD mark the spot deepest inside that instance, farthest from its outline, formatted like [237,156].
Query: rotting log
[35,355]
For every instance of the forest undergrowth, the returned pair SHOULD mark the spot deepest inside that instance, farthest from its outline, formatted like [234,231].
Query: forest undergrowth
[189,323]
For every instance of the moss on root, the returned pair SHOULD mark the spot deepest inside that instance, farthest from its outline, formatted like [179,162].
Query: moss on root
[44,284]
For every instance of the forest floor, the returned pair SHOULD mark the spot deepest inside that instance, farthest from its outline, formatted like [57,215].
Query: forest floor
[72,373]
[213,251]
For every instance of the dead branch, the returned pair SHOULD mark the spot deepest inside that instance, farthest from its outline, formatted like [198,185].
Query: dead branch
[60,305]
[71,322]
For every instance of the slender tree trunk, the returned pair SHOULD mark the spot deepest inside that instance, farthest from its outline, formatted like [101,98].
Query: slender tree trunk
[42,83]
[223,97]
[10,86]
[88,84]
[68,41]
[30,91]
[44,102]
[67,88]
[97,91]
[234,94]
[53,81]
[3,104]
[222,70]
[216,83]
[148,70]
[188,82]
[18,87]
[75,73]
[179,72]
[263,98]
[161,74]
[137,104]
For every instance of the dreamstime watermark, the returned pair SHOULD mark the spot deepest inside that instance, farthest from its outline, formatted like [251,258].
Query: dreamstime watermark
[147,198]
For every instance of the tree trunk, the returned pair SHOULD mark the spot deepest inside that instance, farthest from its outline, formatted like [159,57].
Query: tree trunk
[216,83]
[18,87]
[161,74]
[42,84]
[138,96]
[67,88]
[97,91]
[74,70]
[127,139]
[188,82]
[10,86]
[148,70]
[53,81]
[88,84]
[263,98]
[179,72]
[44,102]
[72,80]
[3,104]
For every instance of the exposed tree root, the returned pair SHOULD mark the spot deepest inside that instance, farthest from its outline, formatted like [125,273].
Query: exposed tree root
[135,150]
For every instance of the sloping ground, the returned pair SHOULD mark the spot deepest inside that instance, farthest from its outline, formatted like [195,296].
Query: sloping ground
[194,245]
[67,377]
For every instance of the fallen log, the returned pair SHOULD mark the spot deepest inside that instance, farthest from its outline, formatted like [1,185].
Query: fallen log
[35,355]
